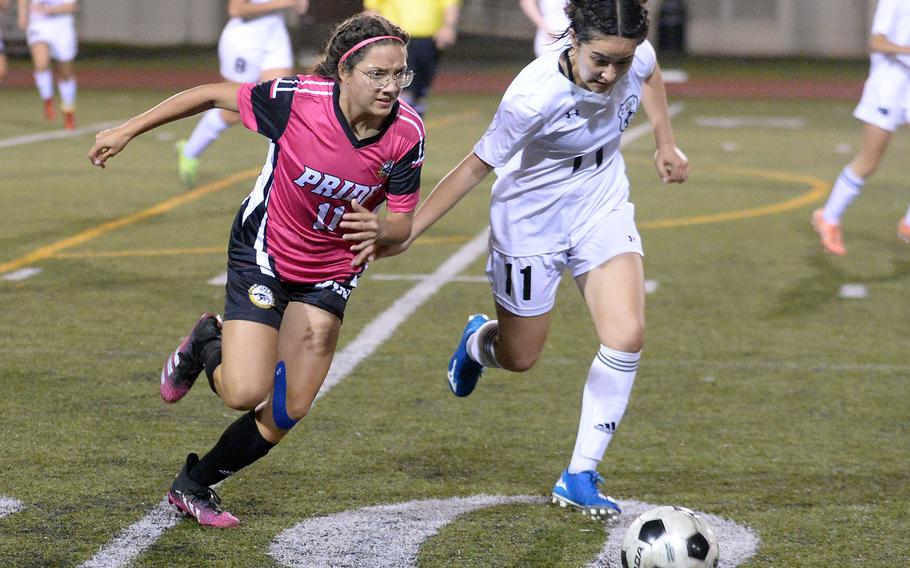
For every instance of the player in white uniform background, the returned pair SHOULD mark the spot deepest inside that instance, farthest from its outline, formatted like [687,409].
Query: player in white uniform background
[560,201]
[50,28]
[549,16]
[884,106]
[4,4]
[254,46]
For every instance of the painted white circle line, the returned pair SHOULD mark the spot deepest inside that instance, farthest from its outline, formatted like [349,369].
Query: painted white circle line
[8,506]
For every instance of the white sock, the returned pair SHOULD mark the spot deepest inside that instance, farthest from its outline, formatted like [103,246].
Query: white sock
[481,344]
[67,94]
[603,404]
[44,80]
[207,131]
[847,187]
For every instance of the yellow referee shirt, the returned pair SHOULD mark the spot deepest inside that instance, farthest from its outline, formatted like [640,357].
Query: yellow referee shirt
[420,18]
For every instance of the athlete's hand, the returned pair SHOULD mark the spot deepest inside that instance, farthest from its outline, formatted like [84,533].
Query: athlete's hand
[108,143]
[445,37]
[375,251]
[302,6]
[365,226]
[672,165]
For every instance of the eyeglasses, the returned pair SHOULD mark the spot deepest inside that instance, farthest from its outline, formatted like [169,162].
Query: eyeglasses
[381,79]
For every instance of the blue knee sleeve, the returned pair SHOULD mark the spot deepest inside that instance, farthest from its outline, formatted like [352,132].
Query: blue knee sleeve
[279,399]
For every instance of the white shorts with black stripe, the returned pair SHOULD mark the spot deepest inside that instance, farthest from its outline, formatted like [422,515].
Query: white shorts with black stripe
[526,285]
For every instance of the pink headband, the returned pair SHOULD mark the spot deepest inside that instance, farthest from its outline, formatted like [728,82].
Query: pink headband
[367,41]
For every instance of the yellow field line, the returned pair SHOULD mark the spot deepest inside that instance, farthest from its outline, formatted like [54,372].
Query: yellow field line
[817,190]
[54,250]
[85,236]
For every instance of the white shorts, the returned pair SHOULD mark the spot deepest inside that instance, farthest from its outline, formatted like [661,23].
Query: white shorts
[246,50]
[58,33]
[885,118]
[526,285]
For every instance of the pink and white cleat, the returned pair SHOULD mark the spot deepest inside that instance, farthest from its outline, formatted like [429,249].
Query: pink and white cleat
[199,501]
[187,361]
[830,233]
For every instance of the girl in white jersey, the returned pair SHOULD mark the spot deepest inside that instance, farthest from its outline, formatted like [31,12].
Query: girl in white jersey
[885,105]
[561,201]
[50,27]
[254,46]
[549,17]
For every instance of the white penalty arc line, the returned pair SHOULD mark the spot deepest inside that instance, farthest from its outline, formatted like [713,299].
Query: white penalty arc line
[130,543]
[8,506]
[55,134]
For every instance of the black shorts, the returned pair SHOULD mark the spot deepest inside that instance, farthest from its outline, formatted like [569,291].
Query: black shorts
[254,296]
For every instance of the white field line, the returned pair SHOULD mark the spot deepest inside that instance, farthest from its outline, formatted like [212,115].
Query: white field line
[55,134]
[125,547]
[21,274]
[8,506]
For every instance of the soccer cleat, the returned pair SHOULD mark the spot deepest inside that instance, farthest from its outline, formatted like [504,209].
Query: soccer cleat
[50,112]
[903,230]
[197,500]
[186,362]
[463,371]
[187,168]
[579,491]
[830,233]
[69,120]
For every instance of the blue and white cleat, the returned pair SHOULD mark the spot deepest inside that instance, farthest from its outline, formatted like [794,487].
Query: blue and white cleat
[580,491]
[463,371]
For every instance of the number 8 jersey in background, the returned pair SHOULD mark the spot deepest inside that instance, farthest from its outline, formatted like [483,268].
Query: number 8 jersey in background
[288,225]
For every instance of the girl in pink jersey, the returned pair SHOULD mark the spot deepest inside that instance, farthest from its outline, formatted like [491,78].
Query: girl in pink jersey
[342,144]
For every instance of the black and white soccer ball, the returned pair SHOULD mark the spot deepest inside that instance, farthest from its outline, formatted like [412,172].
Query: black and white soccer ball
[670,537]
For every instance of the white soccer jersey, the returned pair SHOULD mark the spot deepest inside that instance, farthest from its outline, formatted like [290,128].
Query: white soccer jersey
[35,17]
[554,14]
[249,47]
[58,31]
[555,147]
[888,85]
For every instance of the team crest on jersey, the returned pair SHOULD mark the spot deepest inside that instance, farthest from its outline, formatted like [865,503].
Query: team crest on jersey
[386,169]
[627,111]
[261,296]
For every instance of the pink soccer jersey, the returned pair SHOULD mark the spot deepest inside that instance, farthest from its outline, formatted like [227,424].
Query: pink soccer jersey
[315,167]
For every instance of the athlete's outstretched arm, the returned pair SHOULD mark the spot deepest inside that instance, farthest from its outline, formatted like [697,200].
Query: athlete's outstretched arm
[672,165]
[110,142]
[455,185]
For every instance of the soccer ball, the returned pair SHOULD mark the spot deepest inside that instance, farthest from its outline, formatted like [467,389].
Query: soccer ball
[669,537]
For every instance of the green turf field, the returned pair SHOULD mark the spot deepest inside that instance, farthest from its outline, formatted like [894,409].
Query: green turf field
[762,396]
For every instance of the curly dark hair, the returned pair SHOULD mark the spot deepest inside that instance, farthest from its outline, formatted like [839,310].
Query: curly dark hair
[590,19]
[348,34]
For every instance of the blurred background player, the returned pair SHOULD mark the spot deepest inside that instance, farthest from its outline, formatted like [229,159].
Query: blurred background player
[549,17]
[341,146]
[4,4]
[884,107]
[560,202]
[50,27]
[254,46]
[432,25]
